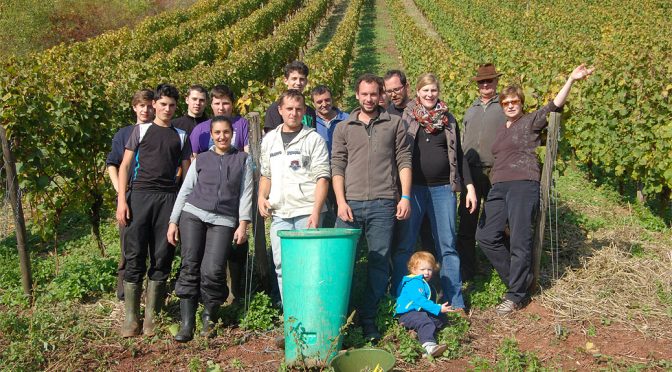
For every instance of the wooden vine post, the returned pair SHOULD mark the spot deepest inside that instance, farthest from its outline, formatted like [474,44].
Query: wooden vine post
[546,184]
[19,222]
[258,226]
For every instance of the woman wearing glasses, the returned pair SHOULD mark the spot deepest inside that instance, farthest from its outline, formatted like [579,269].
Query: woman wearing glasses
[514,196]
[439,171]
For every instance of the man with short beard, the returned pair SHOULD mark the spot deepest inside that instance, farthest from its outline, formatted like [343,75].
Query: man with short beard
[480,127]
[370,154]
[396,88]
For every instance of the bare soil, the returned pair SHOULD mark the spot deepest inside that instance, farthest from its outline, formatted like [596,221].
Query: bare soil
[566,346]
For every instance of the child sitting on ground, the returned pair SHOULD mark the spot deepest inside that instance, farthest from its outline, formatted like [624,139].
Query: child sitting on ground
[415,306]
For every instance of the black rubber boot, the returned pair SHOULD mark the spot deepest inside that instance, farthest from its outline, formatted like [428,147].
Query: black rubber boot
[188,321]
[131,325]
[209,318]
[153,302]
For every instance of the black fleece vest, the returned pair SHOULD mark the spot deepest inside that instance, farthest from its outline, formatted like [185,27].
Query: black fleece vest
[219,179]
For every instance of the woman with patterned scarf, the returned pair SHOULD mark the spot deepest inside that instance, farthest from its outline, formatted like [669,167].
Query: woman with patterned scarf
[439,171]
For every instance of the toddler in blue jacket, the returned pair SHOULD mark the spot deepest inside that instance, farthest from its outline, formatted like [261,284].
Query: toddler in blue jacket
[415,307]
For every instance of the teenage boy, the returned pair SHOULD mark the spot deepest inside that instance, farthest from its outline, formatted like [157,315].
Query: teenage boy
[158,149]
[144,113]
[222,99]
[296,78]
[222,104]
[197,98]
[480,127]
[370,155]
[294,174]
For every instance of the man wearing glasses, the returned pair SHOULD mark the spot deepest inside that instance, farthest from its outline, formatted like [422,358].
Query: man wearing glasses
[396,88]
[480,127]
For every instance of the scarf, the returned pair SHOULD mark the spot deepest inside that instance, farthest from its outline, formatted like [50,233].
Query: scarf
[434,120]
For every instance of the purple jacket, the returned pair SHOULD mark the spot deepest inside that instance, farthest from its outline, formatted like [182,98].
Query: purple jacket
[201,141]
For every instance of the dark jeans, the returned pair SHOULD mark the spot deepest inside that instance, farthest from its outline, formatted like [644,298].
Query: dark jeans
[424,323]
[205,249]
[145,235]
[466,233]
[330,216]
[516,202]
[376,219]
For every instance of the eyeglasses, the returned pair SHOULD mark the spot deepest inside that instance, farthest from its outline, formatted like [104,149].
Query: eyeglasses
[485,81]
[511,102]
[394,90]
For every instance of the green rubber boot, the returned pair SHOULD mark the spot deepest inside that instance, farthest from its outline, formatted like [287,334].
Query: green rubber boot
[131,325]
[153,302]
[188,320]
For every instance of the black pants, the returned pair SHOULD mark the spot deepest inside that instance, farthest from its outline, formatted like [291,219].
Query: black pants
[518,203]
[121,266]
[205,249]
[424,323]
[466,233]
[145,235]
[237,264]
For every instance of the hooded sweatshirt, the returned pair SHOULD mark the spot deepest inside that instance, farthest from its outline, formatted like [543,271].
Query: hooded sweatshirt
[294,170]
[414,294]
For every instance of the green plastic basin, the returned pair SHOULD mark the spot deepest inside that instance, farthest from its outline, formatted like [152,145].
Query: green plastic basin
[362,360]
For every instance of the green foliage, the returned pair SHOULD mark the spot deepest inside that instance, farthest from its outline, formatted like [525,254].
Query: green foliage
[385,315]
[81,279]
[453,335]
[353,337]
[509,358]
[399,341]
[487,292]
[261,316]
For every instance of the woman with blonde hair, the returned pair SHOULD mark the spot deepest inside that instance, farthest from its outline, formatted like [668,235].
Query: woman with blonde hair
[439,171]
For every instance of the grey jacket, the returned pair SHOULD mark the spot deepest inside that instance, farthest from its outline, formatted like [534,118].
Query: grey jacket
[480,129]
[371,156]
[459,169]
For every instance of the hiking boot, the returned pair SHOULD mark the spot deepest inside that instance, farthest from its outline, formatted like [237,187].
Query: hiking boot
[209,318]
[153,301]
[431,348]
[188,320]
[507,307]
[131,325]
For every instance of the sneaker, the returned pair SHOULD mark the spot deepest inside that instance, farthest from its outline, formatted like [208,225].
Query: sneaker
[370,332]
[433,349]
[506,307]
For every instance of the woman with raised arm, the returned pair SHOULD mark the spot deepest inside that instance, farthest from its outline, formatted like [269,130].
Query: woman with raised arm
[514,197]
[439,171]
[213,210]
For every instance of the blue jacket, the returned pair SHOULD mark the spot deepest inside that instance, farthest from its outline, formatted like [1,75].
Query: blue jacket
[415,294]
[326,128]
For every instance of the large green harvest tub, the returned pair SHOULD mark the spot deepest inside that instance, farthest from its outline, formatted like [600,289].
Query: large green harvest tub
[317,267]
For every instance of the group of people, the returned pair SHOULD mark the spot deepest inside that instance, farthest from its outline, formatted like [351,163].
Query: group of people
[385,170]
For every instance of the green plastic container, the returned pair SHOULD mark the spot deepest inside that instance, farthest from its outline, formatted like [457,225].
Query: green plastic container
[317,267]
[363,360]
